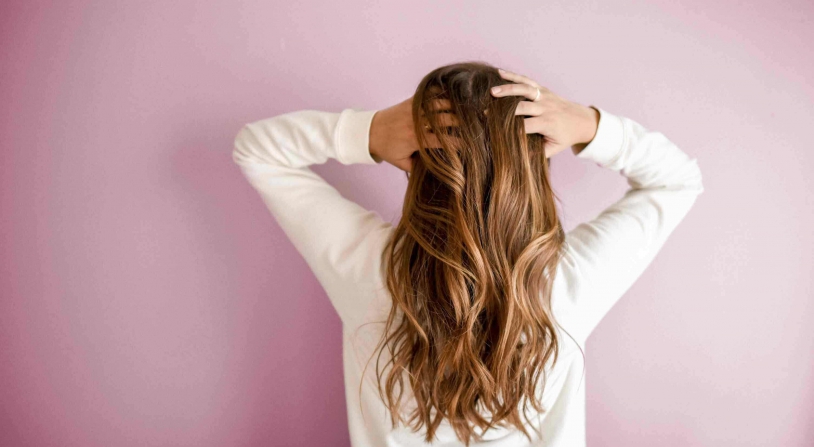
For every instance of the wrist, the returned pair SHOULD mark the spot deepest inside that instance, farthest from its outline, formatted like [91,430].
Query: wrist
[374,137]
[590,125]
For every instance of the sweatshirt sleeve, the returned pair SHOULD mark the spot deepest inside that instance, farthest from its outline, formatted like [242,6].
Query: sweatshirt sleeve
[604,256]
[340,240]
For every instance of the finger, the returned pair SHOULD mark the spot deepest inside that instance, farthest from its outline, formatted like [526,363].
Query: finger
[517,77]
[438,108]
[526,90]
[431,140]
[451,139]
[440,104]
[442,118]
[529,108]
[447,120]
[533,125]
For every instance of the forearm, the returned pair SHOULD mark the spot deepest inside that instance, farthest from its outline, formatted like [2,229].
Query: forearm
[605,255]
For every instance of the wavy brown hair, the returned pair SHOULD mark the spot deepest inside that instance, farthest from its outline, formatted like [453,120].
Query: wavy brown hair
[471,263]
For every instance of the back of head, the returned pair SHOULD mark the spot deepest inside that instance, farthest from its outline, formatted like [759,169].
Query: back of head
[470,264]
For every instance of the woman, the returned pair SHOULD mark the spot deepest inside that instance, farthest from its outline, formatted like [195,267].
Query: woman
[465,322]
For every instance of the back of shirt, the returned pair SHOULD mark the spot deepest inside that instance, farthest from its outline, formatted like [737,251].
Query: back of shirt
[342,241]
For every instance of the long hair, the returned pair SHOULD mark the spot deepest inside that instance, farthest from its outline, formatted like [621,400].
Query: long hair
[470,264]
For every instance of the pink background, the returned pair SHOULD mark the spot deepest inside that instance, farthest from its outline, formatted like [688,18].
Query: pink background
[149,298]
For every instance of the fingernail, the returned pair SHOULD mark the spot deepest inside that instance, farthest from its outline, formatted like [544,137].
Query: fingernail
[495,89]
[501,70]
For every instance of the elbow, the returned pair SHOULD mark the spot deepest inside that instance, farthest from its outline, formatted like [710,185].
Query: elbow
[242,148]
[255,144]
[687,177]
[697,180]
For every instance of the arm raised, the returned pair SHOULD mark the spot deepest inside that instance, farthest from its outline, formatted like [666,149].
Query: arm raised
[339,239]
[607,254]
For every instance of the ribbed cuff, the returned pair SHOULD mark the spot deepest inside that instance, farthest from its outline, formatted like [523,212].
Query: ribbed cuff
[607,144]
[353,136]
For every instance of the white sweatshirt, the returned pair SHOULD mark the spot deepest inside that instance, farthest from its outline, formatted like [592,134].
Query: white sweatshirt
[342,241]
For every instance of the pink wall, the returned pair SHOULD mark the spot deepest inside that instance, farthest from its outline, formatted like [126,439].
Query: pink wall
[148,297]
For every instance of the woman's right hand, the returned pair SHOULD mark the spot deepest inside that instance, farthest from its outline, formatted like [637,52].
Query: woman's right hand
[561,122]
[392,133]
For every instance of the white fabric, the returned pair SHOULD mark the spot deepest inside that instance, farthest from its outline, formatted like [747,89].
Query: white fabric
[342,241]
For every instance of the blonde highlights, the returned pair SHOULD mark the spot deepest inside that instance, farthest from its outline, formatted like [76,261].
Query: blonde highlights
[470,264]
